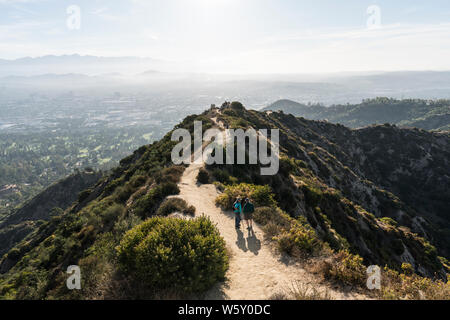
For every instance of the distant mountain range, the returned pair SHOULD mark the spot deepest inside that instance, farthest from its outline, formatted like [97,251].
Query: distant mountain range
[425,114]
[76,63]
[74,58]
[256,90]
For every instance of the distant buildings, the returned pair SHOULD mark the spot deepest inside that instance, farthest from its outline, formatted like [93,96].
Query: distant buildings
[8,189]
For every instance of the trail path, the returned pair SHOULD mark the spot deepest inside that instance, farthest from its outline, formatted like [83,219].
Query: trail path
[256,271]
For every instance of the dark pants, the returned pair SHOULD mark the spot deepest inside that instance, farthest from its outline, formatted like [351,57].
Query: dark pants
[237,219]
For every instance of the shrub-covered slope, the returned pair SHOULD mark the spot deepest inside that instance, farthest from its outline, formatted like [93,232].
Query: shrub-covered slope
[380,191]
[52,200]
[92,234]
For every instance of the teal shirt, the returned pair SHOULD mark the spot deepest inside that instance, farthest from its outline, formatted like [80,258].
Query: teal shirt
[237,208]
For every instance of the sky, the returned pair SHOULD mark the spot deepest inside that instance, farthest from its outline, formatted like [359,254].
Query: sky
[236,36]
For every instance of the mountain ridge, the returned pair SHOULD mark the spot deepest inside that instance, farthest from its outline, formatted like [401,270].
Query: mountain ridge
[425,114]
[317,201]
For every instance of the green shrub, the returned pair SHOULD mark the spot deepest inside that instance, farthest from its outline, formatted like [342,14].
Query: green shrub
[265,215]
[346,268]
[221,176]
[138,181]
[112,186]
[445,263]
[171,174]
[287,165]
[299,240]
[111,214]
[165,253]
[147,205]
[229,112]
[14,254]
[124,193]
[175,205]
[293,236]
[169,188]
[389,221]
[313,196]
[203,176]
[219,186]
[261,195]
[236,105]
[83,195]
[240,124]
[407,268]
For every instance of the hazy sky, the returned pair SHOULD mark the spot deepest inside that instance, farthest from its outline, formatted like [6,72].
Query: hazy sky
[238,36]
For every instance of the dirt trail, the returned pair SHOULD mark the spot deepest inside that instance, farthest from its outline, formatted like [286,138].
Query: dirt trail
[256,271]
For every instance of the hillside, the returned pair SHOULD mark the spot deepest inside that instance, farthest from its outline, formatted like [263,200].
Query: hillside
[33,213]
[342,200]
[32,160]
[424,114]
[400,174]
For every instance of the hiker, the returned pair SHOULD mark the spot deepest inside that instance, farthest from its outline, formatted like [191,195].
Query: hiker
[237,207]
[248,210]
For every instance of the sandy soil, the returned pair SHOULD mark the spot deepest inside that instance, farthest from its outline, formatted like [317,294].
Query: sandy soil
[256,270]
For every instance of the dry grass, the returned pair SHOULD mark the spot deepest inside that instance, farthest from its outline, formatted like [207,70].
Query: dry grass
[301,291]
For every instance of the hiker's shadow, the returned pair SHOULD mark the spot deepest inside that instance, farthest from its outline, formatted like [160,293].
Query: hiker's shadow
[253,243]
[240,242]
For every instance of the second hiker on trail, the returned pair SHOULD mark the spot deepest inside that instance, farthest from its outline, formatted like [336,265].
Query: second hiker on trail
[237,208]
[248,210]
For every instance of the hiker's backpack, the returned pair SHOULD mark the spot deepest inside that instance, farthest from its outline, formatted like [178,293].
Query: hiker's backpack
[251,207]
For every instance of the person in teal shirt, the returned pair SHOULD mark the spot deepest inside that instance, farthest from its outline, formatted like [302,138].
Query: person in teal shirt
[237,208]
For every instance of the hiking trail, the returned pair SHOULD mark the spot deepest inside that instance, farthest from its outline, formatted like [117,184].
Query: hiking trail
[256,271]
